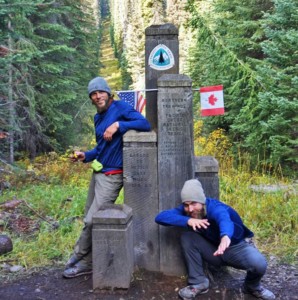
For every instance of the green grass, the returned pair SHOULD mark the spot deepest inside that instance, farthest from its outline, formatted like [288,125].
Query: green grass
[272,216]
[56,206]
[59,211]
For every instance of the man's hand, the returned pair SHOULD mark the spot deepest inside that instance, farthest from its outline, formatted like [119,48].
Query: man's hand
[224,244]
[77,155]
[108,134]
[198,223]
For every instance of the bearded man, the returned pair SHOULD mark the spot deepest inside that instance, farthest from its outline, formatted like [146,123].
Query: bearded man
[112,120]
[216,235]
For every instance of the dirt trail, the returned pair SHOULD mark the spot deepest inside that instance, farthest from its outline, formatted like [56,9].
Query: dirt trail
[48,284]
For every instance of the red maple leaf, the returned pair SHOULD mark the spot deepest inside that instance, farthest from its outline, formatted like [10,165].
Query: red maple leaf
[212,99]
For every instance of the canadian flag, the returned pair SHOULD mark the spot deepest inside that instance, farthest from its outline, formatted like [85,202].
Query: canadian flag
[212,103]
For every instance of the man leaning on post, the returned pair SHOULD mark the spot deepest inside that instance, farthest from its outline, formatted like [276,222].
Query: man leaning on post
[112,120]
[217,236]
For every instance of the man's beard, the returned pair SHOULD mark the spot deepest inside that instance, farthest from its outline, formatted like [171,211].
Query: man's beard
[198,214]
[105,107]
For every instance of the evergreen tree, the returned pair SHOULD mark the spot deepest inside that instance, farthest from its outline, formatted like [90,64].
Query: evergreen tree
[52,56]
[276,110]
[249,55]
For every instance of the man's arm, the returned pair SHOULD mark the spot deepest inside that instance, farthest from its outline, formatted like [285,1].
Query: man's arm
[133,120]
[222,217]
[219,213]
[225,242]
[173,217]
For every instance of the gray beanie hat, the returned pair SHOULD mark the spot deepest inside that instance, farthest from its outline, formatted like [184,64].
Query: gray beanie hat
[193,191]
[98,84]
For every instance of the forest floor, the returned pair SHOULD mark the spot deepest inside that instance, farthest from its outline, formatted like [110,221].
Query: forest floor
[48,284]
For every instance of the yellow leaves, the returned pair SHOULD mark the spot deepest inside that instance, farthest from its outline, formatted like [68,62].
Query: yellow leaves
[30,167]
[215,144]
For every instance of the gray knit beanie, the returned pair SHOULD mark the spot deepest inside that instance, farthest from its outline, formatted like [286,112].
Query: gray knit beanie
[98,84]
[193,191]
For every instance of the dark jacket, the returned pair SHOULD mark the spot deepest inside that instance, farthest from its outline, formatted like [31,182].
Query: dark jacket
[110,153]
[223,219]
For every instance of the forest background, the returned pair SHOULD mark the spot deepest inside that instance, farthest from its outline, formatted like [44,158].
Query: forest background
[49,50]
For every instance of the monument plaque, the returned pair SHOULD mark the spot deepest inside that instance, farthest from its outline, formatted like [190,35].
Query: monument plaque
[140,193]
[175,159]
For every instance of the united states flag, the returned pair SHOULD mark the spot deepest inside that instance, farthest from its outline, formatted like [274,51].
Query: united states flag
[134,98]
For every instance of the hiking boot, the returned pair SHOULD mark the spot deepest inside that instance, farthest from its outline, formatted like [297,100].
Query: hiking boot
[191,291]
[260,293]
[72,261]
[76,270]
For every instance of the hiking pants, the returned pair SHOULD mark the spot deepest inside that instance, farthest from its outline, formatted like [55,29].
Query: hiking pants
[242,256]
[102,189]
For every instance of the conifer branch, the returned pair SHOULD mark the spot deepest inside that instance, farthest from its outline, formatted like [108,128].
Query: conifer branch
[217,40]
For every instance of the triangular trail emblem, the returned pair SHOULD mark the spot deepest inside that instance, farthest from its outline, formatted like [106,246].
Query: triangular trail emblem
[161,58]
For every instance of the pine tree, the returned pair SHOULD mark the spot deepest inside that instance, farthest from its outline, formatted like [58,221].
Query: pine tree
[53,54]
[249,55]
[277,108]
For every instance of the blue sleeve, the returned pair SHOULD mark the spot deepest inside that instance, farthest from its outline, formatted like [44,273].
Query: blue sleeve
[133,120]
[221,216]
[172,217]
[90,155]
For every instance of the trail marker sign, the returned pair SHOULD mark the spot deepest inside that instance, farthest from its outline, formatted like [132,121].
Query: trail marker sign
[161,58]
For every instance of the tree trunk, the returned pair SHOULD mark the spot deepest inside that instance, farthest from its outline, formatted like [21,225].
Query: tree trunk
[10,100]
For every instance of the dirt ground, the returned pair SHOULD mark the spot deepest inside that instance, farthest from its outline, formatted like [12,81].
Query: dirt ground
[48,284]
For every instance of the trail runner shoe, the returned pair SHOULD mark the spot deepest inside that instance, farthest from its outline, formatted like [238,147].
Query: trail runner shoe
[72,261]
[260,293]
[191,291]
[76,270]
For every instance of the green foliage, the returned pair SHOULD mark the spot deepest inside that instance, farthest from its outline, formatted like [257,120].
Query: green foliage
[120,54]
[126,76]
[55,208]
[61,206]
[53,195]
[254,56]
[272,216]
[54,53]
[278,123]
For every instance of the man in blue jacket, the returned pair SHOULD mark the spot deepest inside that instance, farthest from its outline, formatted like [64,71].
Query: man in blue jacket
[217,235]
[112,120]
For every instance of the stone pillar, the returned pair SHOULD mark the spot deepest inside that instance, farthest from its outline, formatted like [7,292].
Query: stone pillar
[175,159]
[206,171]
[141,194]
[161,57]
[112,247]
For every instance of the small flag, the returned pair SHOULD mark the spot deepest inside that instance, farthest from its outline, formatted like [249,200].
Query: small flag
[212,102]
[134,98]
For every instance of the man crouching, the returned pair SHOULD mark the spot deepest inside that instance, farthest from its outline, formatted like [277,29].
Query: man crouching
[217,235]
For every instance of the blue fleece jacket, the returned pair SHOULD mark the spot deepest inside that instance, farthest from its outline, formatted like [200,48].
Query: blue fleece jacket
[223,219]
[110,153]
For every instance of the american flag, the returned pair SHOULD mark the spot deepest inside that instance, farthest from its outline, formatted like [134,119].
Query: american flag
[134,98]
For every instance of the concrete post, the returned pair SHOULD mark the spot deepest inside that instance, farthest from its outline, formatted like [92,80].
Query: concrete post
[206,171]
[141,194]
[112,247]
[161,57]
[175,160]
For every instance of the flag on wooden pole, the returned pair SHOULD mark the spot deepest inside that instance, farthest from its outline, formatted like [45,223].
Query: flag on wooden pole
[212,102]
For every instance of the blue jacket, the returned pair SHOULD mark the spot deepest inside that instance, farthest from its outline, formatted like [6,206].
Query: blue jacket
[110,153]
[223,219]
